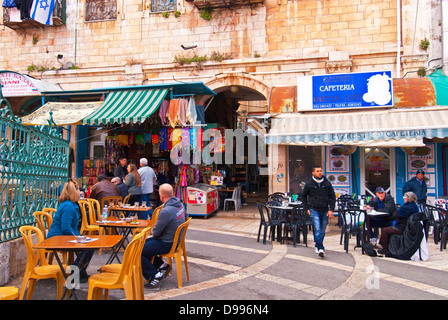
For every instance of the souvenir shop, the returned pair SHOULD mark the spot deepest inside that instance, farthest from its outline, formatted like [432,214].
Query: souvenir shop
[164,124]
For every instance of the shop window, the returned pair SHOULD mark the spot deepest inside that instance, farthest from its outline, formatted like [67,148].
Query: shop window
[101,10]
[163,5]
[301,161]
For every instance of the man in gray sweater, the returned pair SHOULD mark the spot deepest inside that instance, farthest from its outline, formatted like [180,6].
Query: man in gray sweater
[169,219]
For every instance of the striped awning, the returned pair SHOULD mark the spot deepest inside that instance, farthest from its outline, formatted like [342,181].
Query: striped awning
[127,106]
[392,128]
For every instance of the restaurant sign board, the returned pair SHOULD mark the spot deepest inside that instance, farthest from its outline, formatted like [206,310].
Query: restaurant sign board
[345,91]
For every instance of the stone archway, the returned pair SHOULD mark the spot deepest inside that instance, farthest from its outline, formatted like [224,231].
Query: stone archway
[225,81]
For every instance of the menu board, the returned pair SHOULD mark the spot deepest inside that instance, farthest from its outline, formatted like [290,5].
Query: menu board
[338,165]
[420,158]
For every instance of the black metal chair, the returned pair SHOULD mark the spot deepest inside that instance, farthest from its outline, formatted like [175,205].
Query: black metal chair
[353,225]
[267,222]
[277,196]
[344,201]
[296,222]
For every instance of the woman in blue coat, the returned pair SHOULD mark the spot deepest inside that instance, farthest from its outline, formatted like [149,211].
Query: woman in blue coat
[66,221]
[409,208]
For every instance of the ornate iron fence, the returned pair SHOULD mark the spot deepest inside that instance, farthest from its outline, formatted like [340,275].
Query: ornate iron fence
[33,164]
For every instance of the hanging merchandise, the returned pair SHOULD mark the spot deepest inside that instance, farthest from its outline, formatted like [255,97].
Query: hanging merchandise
[182,115]
[176,136]
[169,140]
[163,139]
[139,139]
[131,139]
[9,4]
[200,111]
[163,109]
[191,112]
[122,140]
[147,137]
[173,112]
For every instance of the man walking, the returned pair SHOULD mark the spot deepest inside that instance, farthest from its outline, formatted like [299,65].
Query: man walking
[319,201]
[148,177]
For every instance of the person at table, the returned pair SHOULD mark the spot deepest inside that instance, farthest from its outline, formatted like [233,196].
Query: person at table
[409,208]
[121,168]
[122,187]
[319,201]
[171,216]
[134,183]
[383,202]
[418,186]
[66,221]
[148,177]
[103,188]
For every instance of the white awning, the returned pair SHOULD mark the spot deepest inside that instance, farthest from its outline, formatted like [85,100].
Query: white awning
[388,128]
[64,113]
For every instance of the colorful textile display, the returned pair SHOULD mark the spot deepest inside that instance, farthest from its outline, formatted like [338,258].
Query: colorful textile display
[173,112]
[163,109]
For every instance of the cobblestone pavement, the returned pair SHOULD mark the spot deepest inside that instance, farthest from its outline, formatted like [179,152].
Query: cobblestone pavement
[227,263]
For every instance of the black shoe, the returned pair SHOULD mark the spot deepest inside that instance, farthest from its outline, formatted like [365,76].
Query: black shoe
[382,251]
[154,281]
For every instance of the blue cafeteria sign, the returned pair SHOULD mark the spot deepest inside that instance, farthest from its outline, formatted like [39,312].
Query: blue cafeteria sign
[351,90]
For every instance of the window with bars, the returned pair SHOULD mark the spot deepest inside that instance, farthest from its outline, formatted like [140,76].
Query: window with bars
[101,10]
[163,5]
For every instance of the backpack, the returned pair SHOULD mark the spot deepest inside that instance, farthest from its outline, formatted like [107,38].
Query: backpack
[369,250]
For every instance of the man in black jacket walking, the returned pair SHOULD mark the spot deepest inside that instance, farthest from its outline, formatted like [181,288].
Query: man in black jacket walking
[319,202]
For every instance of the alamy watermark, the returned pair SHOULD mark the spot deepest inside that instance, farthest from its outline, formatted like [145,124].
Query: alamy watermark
[211,146]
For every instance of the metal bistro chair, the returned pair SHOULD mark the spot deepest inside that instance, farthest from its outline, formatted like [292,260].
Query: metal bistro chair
[343,203]
[353,224]
[296,222]
[267,222]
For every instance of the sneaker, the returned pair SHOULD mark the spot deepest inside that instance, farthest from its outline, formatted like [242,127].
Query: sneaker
[321,253]
[154,281]
[166,269]
[316,250]
[382,251]
[373,241]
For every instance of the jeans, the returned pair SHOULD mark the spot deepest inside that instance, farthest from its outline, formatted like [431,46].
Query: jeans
[319,220]
[146,197]
[153,247]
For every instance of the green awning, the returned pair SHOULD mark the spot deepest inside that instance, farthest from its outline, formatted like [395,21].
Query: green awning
[127,106]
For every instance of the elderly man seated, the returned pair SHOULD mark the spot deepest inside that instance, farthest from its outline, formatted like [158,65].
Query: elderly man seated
[383,202]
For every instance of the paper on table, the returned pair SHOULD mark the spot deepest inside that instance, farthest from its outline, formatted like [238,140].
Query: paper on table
[376,213]
[87,240]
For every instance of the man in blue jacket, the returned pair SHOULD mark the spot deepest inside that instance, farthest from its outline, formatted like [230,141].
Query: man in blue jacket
[169,219]
[417,185]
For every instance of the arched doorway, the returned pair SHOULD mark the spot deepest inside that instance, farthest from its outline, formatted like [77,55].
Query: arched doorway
[240,97]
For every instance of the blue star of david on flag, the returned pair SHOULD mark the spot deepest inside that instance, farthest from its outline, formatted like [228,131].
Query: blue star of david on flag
[42,11]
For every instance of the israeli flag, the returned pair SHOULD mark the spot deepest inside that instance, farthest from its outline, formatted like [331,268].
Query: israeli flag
[42,11]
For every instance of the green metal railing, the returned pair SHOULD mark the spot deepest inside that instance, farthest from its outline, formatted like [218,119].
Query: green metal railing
[33,164]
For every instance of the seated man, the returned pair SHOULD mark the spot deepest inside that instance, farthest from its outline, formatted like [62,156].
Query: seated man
[122,187]
[103,188]
[170,218]
[383,202]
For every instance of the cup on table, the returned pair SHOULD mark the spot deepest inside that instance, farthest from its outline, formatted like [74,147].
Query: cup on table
[80,239]
[144,204]
[136,204]
[134,218]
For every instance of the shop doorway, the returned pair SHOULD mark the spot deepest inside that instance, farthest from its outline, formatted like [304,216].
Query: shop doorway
[377,167]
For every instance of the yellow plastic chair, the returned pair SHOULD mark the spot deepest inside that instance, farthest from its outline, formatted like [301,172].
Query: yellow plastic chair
[137,272]
[126,199]
[44,221]
[129,277]
[96,206]
[9,293]
[177,251]
[87,217]
[51,211]
[35,271]
[152,222]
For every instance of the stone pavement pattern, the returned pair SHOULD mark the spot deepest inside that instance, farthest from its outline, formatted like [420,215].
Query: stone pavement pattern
[226,262]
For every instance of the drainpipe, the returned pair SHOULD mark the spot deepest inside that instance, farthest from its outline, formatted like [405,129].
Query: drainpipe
[445,36]
[398,75]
